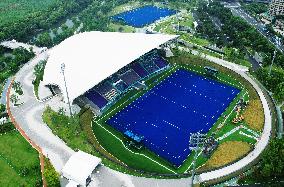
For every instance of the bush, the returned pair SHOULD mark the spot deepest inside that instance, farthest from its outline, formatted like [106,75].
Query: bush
[51,176]
[6,128]
[2,108]
[271,166]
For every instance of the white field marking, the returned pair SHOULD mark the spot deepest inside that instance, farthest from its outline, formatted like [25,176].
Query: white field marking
[162,77]
[134,152]
[242,133]
[229,133]
[247,135]
[192,162]
[251,131]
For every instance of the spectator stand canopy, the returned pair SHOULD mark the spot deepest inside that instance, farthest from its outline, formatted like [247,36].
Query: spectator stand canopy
[79,168]
[91,57]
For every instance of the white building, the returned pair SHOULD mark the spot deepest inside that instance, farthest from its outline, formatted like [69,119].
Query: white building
[91,57]
[79,168]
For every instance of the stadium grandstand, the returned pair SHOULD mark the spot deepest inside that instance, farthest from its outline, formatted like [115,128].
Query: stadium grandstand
[101,66]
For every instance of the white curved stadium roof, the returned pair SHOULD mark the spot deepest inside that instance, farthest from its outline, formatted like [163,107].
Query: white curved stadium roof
[91,57]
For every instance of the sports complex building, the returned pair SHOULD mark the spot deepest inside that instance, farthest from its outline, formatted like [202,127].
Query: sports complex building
[102,67]
[146,105]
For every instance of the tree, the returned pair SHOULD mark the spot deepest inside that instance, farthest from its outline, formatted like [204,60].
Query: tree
[17,87]
[39,69]
[2,36]
[2,108]
[279,92]
[270,167]
[44,39]
[14,99]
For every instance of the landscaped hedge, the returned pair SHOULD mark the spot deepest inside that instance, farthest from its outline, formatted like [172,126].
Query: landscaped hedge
[51,176]
[7,127]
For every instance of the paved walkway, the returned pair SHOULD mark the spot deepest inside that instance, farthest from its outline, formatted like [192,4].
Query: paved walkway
[4,92]
[28,116]
[14,44]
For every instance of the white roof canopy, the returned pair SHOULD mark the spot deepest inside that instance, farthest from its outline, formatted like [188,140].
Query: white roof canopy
[79,166]
[91,57]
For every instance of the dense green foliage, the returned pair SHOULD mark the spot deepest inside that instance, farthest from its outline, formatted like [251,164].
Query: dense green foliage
[92,17]
[207,29]
[68,129]
[7,127]
[256,8]
[273,82]
[271,167]
[38,73]
[51,176]
[238,32]
[43,18]
[11,64]
[15,10]
[2,108]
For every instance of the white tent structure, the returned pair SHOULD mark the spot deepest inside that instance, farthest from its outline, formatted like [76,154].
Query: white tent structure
[79,167]
[91,57]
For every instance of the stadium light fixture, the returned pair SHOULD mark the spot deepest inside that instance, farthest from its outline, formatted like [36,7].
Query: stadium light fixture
[196,143]
[63,73]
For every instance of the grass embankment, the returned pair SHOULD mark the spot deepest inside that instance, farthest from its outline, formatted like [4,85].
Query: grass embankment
[68,129]
[19,162]
[75,133]
[116,27]
[254,115]
[226,153]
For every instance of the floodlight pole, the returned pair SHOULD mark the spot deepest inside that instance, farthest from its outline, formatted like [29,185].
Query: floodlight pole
[195,140]
[62,71]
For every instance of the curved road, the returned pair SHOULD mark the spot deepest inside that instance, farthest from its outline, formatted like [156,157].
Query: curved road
[28,116]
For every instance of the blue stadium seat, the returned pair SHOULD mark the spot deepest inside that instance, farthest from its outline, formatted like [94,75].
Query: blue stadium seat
[160,62]
[139,69]
[96,98]
[130,77]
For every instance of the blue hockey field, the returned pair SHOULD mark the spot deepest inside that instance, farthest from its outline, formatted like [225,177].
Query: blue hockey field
[166,115]
[142,16]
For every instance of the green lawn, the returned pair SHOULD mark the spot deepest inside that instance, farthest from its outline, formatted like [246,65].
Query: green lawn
[19,162]
[121,28]
[167,25]
[128,6]
[14,10]
[195,40]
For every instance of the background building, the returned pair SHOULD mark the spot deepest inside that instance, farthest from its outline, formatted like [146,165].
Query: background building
[276,7]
